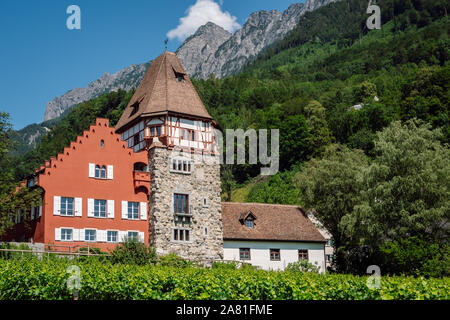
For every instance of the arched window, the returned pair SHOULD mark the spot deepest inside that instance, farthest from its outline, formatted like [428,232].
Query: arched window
[103,172]
[97,171]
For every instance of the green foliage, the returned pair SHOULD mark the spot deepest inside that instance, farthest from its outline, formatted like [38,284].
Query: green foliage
[416,255]
[14,255]
[45,280]
[332,187]
[133,252]
[302,266]
[230,265]
[172,260]
[279,189]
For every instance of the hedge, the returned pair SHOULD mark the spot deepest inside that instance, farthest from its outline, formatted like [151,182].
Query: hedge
[32,279]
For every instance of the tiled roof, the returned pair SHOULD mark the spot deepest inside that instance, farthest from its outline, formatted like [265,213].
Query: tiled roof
[161,92]
[273,223]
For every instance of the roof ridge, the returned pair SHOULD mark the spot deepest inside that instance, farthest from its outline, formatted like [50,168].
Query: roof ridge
[265,204]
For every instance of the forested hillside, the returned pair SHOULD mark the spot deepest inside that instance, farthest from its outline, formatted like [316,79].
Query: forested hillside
[342,97]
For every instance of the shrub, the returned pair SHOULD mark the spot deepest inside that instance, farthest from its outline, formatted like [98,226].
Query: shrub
[230,265]
[302,266]
[133,252]
[172,260]
[14,255]
[47,280]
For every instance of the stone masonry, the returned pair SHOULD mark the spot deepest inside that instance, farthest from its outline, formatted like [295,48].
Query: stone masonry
[205,225]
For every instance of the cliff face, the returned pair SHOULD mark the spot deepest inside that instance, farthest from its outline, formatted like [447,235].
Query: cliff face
[233,52]
[211,50]
[125,79]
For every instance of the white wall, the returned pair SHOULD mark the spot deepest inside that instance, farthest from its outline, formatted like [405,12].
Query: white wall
[260,253]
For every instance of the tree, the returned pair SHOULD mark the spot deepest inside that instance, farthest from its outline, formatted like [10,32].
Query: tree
[320,134]
[406,191]
[332,187]
[13,196]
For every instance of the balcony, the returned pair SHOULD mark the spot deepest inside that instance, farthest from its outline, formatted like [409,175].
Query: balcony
[141,179]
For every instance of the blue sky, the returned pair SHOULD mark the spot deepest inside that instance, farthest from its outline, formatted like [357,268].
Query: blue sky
[41,59]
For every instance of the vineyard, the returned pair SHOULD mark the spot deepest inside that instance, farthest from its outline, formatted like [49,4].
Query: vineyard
[32,279]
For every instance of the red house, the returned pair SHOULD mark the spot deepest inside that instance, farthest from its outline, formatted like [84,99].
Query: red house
[95,194]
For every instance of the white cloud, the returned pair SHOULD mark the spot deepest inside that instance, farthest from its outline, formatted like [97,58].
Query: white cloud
[199,14]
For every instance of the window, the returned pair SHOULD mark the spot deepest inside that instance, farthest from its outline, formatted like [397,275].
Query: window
[89,235]
[136,139]
[244,253]
[111,236]
[180,203]
[275,255]
[181,235]
[100,208]
[133,210]
[328,257]
[302,254]
[133,235]
[330,242]
[155,131]
[102,143]
[66,234]
[249,223]
[66,206]
[100,173]
[181,165]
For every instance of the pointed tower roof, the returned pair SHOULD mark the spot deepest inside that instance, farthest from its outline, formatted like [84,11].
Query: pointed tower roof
[165,88]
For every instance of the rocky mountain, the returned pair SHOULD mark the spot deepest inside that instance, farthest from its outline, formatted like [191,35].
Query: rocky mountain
[233,52]
[125,79]
[28,138]
[210,50]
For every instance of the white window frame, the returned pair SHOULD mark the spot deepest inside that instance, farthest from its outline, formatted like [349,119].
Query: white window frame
[138,210]
[66,207]
[184,235]
[61,233]
[106,209]
[117,236]
[182,160]
[134,231]
[85,232]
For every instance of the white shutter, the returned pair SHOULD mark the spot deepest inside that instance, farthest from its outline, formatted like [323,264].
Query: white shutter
[102,235]
[125,210]
[90,207]
[57,234]
[76,235]
[40,211]
[143,211]
[110,206]
[32,213]
[141,237]
[122,236]
[91,170]
[81,235]
[78,207]
[110,172]
[56,205]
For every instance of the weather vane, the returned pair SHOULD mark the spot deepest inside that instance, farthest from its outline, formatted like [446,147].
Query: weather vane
[165,43]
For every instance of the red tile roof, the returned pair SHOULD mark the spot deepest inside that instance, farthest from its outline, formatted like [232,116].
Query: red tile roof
[273,223]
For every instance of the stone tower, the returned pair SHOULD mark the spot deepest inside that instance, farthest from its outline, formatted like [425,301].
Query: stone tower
[167,119]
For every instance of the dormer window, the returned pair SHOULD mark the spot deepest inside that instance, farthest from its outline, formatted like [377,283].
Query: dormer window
[135,108]
[180,76]
[248,219]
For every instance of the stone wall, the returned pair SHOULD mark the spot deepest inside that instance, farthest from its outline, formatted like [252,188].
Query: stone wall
[205,226]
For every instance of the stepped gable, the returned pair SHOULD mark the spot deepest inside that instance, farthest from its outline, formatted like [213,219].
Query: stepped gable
[102,127]
[273,222]
[165,88]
